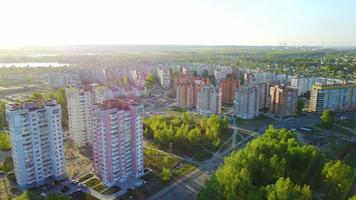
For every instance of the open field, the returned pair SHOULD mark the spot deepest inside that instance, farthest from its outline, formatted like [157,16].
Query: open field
[252,124]
[350,123]
[77,164]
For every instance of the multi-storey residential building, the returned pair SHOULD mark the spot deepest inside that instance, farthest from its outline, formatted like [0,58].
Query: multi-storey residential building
[304,84]
[209,100]
[338,97]
[101,93]
[118,138]
[185,95]
[79,102]
[37,142]
[263,90]
[283,100]
[187,92]
[183,78]
[221,73]
[199,83]
[164,77]
[61,79]
[228,89]
[246,103]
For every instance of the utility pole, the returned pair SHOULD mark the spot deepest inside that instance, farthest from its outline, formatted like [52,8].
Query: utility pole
[234,134]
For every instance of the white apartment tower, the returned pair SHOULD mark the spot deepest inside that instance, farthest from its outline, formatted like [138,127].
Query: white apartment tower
[37,140]
[79,102]
[209,100]
[164,77]
[247,102]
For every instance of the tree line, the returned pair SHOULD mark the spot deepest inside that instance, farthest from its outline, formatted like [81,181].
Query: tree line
[185,133]
[58,95]
[276,166]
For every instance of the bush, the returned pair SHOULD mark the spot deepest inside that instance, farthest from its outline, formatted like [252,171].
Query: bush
[8,165]
[5,141]
[92,182]
[86,177]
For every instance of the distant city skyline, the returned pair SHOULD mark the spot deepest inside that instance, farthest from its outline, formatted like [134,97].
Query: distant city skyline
[183,22]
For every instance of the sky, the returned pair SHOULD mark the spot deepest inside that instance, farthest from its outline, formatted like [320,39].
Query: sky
[182,22]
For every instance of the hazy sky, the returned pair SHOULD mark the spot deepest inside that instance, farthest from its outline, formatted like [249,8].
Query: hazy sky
[219,22]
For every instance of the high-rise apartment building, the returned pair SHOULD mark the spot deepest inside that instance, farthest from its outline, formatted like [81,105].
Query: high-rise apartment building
[79,102]
[185,95]
[263,90]
[209,100]
[118,138]
[221,73]
[187,92]
[338,97]
[246,103]
[164,77]
[228,89]
[37,142]
[283,100]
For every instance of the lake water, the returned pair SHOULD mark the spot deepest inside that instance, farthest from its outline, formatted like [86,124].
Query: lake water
[33,65]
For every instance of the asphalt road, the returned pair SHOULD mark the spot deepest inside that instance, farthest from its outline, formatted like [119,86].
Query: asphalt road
[187,187]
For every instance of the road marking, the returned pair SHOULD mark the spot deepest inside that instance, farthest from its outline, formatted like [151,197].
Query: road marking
[191,189]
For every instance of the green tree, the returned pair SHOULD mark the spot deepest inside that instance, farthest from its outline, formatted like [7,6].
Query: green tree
[194,136]
[37,96]
[57,196]
[8,165]
[150,80]
[26,196]
[353,197]
[273,166]
[284,189]
[3,122]
[5,141]
[327,118]
[166,174]
[338,178]
[300,106]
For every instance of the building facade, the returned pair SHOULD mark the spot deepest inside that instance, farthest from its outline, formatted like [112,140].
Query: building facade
[79,102]
[246,103]
[221,73]
[37,142]
[118,141]
[283,100]
[337,97]
[187,92]
[209,100]
[61,79]
[228,89]
[185,95]
[164,77]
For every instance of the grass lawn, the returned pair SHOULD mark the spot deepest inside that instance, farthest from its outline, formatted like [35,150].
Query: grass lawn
[252,124]
[350,156]
[153,185]
[86,177]
[201,155]
[112,190]
[156,160]
[99,188]
[178,109]
[82,196]
[92,182]
[226,145]
[350,123]
[336,129]
[183,170]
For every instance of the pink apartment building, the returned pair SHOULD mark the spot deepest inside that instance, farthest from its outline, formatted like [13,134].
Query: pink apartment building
[117,140]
